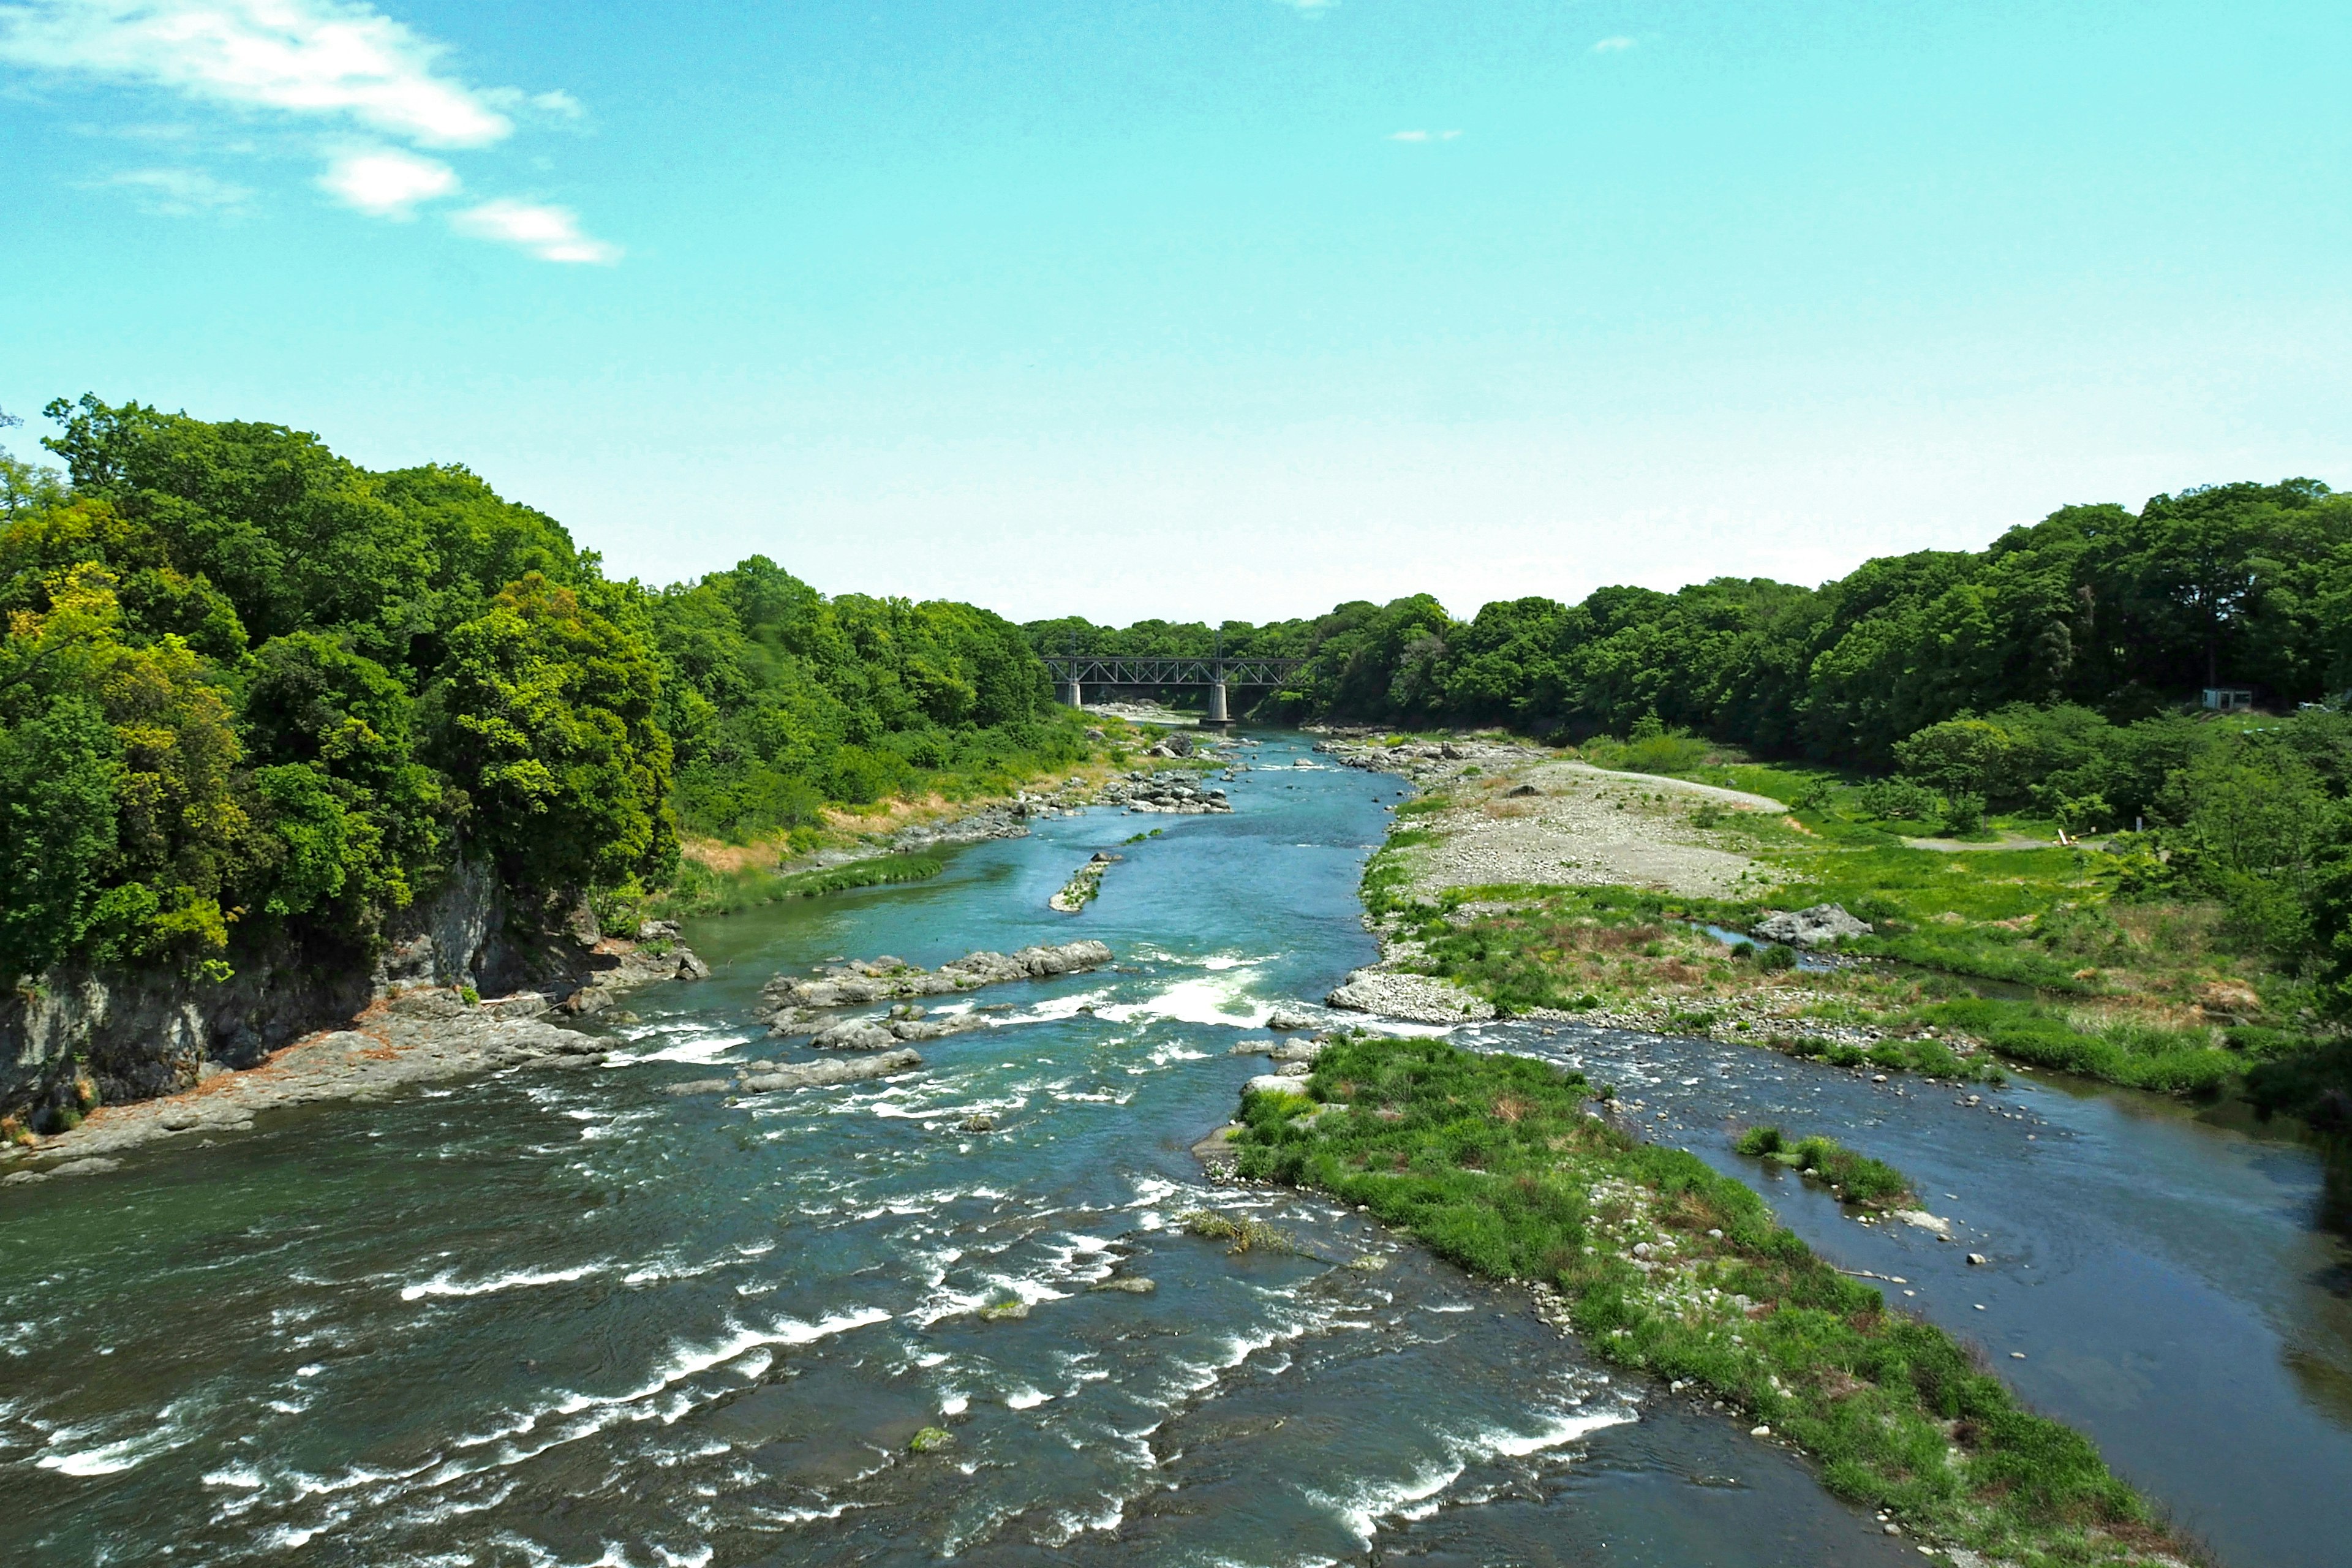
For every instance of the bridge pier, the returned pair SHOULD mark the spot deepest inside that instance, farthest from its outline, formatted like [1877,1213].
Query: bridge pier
[1072,694]
[1217,704]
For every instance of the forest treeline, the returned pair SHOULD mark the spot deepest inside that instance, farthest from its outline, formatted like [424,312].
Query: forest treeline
[2121,612]
[250,688]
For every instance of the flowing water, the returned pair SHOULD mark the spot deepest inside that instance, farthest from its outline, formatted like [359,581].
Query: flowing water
[565,1317]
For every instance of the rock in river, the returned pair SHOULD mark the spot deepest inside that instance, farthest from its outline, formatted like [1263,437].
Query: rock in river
[888,979]
[1816,927]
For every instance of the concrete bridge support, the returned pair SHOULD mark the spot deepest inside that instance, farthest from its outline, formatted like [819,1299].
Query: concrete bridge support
[1217,714]
[1072,695]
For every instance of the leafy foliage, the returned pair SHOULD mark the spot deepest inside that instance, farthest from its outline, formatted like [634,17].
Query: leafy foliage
[249,686]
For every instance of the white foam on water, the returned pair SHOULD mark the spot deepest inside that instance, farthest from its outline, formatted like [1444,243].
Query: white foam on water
[1070,1524]
[166,1432]
[600,1411]
[243,1476]
[1213,999]
[695,1046]
[1087,1097]
[954,1405]
[447,1284]
[1362,1506]
[672,1268]
[1562,1428]
[1053,1009]
[1026,1398]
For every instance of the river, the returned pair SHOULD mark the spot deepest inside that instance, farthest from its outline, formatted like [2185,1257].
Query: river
[552,1316]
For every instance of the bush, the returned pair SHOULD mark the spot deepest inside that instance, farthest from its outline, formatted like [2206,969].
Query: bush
[1895,800]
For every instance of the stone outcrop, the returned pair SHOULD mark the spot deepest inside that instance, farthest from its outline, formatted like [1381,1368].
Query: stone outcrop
[774,1078]
[1818,926]
[1417,998]
[419,1036]
[1082,888]
[787,999]
[901,1024]
[1178,794]
[136,1034]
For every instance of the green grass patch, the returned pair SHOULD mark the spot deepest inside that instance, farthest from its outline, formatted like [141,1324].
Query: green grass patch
[1857,1178]
[1667,1267]
[2137,1056]
[698,890]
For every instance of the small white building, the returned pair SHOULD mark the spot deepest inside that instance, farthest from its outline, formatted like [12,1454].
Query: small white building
[2229,699]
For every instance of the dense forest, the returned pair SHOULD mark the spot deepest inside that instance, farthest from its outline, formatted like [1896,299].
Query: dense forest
[249,687]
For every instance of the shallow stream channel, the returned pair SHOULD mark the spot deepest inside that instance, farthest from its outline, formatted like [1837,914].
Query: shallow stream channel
[569,1317]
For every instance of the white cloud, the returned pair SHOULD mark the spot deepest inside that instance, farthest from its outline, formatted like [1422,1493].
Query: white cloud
[388,183]
[1614,45]
[549,233]
[340,61]
[1422,135]
[1310,8]
[181,192]
[302,56]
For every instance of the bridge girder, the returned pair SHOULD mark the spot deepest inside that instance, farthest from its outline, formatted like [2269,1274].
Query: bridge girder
[1091,669]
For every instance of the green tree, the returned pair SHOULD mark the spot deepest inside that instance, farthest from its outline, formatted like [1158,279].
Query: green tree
[550,729]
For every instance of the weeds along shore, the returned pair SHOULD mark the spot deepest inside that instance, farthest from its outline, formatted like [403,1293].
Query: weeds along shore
[1551,888]
[1659,1264]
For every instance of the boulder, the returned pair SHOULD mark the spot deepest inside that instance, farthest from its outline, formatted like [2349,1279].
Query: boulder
[855,1034]
[1289,1018]
[1816,927]
[1416,997]
[1275,1083]
[815,1074]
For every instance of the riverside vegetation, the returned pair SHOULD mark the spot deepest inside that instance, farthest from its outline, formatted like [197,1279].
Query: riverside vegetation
[1922,721]
[1658,1263]
[251,693]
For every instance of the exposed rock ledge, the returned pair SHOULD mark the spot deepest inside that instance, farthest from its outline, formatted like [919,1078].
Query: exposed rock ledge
[419,1036]
[772,1078]
[789,1002]
[1416,998]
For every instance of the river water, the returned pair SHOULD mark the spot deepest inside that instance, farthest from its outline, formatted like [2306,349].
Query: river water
[565,1317]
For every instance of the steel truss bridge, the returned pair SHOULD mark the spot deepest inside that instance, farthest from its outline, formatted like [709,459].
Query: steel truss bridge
[1073,673]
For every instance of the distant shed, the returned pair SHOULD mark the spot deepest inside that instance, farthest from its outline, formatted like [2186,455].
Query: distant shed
[2229,699]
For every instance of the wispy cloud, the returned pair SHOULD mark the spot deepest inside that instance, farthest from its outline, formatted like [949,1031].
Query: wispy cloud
[387,182]
[1617,45]
[337,61]
[549,233]
[181,192]
[303,57]
[1422,135]
[1311,7]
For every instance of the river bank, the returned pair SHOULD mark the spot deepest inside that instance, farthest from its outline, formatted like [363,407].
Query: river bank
[1551,888]
[411,1035]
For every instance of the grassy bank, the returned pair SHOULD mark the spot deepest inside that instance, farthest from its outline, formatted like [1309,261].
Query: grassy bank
[2046,956]
[698,890]
[1665,1266]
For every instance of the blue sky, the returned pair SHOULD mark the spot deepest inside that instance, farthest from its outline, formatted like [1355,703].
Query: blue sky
[1212,308]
